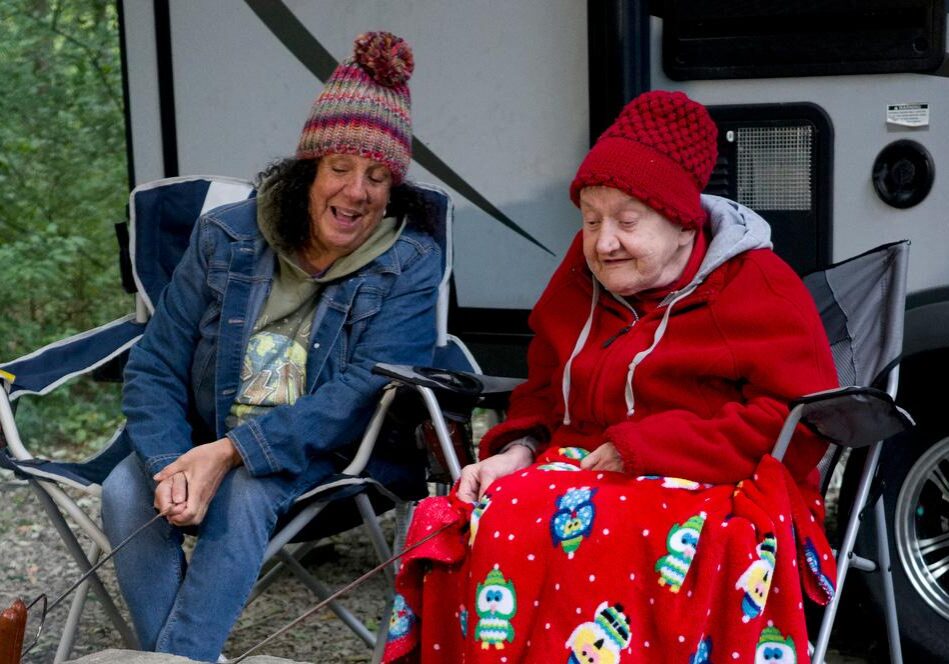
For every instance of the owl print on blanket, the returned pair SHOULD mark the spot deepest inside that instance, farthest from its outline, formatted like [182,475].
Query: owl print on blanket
[496,605]
[755,582]
[775,648]
[682,541]
[601,640]
[573,520]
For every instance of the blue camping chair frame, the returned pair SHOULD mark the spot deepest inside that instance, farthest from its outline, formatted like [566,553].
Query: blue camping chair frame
[161,216]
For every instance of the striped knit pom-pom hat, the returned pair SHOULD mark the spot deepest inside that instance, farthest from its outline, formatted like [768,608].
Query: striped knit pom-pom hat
[364,108]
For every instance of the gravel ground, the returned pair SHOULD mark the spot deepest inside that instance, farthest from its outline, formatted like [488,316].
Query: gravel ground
[34,561]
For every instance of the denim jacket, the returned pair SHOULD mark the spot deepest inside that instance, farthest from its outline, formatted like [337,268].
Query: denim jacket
[183,375]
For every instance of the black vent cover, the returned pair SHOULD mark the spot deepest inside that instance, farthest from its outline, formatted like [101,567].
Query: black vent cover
[776,159]
[744,39]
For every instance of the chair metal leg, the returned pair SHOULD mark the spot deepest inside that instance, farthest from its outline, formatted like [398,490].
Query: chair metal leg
[72,545]
[403,517]
[441,430]
[846,551]
[886,580]
[323,592]
[378,540]
[278,568]
[78,603]
[383,634]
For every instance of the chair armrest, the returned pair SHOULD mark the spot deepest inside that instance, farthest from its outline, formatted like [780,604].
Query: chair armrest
[854,416]
[444,391]
[848,416]
[446,381]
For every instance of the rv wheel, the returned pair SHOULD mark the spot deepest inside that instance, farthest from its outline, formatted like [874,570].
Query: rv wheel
[915,471]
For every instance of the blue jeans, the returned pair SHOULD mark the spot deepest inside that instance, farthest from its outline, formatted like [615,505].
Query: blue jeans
[189,608]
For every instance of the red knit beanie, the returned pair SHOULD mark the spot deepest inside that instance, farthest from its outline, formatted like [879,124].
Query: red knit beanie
[661,150]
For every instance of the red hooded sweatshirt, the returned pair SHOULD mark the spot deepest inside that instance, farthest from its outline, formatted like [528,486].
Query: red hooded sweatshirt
[695,385]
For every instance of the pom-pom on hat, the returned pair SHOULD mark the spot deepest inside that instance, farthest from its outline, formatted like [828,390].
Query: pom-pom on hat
[661,150]
[364,108]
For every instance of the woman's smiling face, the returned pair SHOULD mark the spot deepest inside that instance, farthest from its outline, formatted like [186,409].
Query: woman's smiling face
[628,246]
[348,198]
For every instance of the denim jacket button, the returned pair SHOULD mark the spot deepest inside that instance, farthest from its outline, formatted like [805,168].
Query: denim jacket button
[229,391]
[316,345]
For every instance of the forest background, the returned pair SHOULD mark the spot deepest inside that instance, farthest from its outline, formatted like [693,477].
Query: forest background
[64,183]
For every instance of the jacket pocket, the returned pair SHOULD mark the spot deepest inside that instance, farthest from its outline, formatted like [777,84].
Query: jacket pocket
[365,305]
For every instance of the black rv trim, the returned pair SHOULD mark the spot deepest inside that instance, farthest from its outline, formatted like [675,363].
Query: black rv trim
[166,88]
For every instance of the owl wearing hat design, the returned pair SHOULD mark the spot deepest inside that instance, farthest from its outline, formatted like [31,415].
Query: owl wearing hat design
[495,604]
[573,520]
[558,465]
[463,620]
[681,543]
[703,652]
[755,582]
[813,563]
[601,640]
[774,648]
[575,453]
[401,618]
[476,513]
[679,483]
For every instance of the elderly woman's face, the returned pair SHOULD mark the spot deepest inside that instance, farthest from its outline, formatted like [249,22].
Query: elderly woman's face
[347,200]
[629,246]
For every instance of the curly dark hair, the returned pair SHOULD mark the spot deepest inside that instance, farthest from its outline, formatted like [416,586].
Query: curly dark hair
[289,181]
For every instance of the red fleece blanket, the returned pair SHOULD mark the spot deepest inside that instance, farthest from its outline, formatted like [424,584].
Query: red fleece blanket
[561,564]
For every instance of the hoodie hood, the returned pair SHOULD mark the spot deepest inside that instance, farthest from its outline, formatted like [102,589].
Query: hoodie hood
[735,229]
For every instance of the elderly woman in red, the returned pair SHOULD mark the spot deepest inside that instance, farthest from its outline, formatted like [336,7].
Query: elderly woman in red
[628,510]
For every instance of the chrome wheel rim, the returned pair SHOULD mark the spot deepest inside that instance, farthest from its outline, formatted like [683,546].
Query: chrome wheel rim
[922,527]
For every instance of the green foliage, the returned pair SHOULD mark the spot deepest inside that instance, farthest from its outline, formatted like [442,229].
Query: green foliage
[63,184]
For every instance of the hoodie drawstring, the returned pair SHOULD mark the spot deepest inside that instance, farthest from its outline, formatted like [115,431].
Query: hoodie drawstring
[581,341]
[657,337]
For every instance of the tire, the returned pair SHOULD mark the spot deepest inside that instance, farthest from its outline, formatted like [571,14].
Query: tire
[914,468]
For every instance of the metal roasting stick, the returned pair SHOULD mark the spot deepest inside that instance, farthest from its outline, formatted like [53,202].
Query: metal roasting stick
[49,607]
[352,584]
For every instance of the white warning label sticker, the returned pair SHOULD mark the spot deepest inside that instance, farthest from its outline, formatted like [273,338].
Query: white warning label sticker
[908,115]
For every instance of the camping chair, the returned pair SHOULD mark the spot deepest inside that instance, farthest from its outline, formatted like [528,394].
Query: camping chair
[161,215]
[155,247]
[861,303]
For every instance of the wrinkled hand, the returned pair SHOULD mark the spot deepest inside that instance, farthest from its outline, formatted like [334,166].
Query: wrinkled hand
[188,484]
[605,457]
[477,477]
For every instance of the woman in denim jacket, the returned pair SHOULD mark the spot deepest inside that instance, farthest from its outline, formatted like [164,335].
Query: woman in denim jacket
[256,368]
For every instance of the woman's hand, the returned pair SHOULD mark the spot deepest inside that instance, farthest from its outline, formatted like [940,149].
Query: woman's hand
[171,495]
[605,457]
[477,477]
[188,484]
